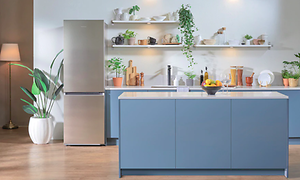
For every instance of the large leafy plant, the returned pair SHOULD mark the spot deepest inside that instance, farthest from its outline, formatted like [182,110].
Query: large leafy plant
[187,28]
[116,65]
[129,34]
[42,93]
[134,9]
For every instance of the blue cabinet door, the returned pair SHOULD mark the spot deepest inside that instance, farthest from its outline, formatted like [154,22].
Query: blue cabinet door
[294,107]
[261,133]
[113,121]
[203,134]
[147,134]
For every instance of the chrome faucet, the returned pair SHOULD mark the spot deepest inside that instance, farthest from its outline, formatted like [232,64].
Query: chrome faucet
[169,75]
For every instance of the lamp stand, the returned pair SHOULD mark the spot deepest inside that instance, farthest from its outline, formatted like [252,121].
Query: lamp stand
[10,125]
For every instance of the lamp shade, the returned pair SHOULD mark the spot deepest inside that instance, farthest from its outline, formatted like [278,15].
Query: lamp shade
[10,52]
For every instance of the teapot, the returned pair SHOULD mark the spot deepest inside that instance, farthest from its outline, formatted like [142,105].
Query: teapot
[119,40]
[152,41]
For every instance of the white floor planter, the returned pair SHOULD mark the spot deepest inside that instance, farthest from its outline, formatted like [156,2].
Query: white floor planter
[40,130]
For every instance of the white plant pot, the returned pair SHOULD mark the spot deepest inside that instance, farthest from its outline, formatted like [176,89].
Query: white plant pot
[133,17]
[40,130]
[248,42]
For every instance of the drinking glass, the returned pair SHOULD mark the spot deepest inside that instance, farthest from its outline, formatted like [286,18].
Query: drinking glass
[225,79]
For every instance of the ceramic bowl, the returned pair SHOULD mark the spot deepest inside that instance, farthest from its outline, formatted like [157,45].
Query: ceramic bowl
[209,41]
[261,42]
[144,19]
[211,90]
[159,18]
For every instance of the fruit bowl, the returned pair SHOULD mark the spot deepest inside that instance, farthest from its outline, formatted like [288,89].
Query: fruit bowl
[211,90]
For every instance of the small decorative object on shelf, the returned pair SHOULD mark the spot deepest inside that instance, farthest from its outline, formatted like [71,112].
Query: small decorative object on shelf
[130,36]
[134,17]
[117,12]
[248,39]
[119,40]
[137,79]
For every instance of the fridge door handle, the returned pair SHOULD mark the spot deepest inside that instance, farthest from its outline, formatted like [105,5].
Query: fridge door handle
[84,93]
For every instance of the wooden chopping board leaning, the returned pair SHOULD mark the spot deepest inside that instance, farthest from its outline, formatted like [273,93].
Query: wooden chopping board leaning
[131,75]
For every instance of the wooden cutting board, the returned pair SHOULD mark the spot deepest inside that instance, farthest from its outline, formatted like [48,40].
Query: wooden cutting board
[128,71]
[132,78]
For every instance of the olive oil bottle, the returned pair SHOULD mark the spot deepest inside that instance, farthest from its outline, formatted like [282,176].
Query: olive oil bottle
[205,74]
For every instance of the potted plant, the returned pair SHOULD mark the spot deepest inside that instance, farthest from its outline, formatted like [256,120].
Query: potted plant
[116,65]
[293,71]
[132,11]
[285,77]
[187,28]
[190,80]
[130,36]
[43,93]
[248,39]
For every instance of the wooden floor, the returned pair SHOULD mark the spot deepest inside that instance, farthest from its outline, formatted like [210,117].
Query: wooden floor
[20,159]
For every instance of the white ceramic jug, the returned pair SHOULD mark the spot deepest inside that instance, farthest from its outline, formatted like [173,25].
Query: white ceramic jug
[197,39]
[175,16]
[118,13]
[125,16]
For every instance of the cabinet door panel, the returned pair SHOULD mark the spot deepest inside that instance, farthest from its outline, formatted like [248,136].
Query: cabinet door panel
[294,118]
[147,139]
[114,113]
[203,134]
[260,137]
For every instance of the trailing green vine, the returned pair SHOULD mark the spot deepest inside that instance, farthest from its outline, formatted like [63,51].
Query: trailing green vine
[187,28]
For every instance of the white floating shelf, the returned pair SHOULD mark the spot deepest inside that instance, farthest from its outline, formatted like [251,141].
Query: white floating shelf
[145,22]
[233,46]
[146,46]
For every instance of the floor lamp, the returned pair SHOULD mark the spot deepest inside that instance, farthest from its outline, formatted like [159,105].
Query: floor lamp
[10,52]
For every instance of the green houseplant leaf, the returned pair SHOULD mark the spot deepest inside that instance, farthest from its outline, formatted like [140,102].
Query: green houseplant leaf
[29,94]
[57,91]
[41,80]
[22,66]
[34,89]
[58,72]
[29,109]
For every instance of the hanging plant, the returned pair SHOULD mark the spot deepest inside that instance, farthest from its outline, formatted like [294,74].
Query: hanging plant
[187,28]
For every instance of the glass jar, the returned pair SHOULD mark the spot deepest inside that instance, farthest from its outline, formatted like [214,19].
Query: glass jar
[233,75]
[240,75]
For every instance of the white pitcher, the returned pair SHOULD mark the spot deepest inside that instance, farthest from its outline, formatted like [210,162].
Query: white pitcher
[125,16]
[118,13]
[197,39]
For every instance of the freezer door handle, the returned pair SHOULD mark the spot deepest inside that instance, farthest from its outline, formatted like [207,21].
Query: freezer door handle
[84,93]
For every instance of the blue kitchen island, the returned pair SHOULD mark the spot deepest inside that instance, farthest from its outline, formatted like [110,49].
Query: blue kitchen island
[236,133]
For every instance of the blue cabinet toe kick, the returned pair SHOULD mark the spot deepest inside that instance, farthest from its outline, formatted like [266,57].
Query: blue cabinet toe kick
[216,172]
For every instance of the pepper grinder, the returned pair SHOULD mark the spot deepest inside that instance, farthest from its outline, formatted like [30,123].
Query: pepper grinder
[142,79]
[137,79]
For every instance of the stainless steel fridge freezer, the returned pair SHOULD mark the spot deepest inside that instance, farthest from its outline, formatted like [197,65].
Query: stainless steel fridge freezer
[84,79]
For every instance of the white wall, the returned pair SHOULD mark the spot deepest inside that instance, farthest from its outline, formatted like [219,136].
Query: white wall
[277,18]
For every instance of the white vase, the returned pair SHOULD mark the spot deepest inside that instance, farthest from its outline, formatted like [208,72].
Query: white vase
[40,130]
[133,17]
[248,42]
[125,17]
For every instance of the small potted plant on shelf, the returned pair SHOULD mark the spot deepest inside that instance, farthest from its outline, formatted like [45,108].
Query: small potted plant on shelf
[285,77]
[190,80]
[135,8]
[130,36]
[248,39]
[43,94]
[115,64]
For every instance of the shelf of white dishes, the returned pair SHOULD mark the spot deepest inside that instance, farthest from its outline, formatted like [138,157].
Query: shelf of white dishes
[233,46]
[146,46]
[145,22]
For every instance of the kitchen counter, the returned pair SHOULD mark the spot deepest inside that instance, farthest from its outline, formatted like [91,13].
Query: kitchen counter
[191,133]
[202,95]
[275,88]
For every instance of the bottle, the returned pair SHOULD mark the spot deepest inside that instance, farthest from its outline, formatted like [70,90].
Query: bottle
[205,74]
[175,81]
[201,78]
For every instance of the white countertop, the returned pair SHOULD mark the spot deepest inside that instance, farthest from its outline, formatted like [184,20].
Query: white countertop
[202,95]
[245,88]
